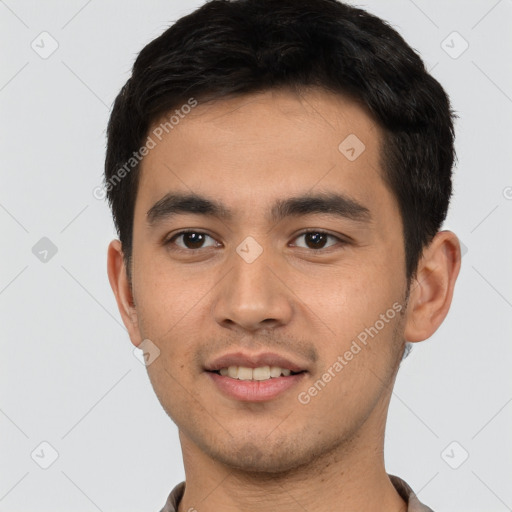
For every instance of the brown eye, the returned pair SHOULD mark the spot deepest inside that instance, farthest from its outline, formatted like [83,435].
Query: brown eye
[191,240]
[316,240]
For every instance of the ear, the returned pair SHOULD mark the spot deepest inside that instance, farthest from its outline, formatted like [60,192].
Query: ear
[118,279]
[432,289]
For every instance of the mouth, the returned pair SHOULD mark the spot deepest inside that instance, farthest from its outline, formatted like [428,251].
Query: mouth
[254,378]
[261,373]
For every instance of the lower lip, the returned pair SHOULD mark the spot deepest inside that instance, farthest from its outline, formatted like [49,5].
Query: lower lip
[254,390]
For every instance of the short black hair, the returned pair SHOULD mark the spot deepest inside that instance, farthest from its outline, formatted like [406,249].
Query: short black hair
[229,48]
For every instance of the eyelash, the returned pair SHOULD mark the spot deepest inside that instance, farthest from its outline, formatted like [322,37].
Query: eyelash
[171,240]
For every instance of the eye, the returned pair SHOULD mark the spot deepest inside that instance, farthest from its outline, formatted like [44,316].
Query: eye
[194,240]
[316,240]
[191,240]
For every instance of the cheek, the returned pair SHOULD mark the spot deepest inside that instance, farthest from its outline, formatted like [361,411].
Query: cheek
[349,298]
[362,311]
[355,370]
[168,296]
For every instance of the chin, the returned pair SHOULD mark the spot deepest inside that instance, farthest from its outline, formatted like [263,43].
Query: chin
[264,458]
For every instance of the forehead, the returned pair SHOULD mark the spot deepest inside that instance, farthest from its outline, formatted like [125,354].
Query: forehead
[251,148]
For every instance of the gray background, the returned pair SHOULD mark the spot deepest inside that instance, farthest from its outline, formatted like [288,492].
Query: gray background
[68,374]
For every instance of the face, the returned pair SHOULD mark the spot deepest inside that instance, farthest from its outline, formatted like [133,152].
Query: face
[290,276]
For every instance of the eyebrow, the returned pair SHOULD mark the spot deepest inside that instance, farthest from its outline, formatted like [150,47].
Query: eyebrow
[338,205]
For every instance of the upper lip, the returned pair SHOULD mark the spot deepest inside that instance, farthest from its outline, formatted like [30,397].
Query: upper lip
[253,361]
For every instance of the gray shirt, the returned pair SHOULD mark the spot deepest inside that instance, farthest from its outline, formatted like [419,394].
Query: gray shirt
[413,504]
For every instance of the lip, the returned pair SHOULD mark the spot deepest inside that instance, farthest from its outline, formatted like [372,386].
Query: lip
[254,390]
[254,361]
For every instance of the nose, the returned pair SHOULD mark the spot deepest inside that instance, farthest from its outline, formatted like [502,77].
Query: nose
[253,296]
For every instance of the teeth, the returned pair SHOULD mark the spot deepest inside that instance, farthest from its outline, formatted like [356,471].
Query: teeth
[260,373]
[275,371]
[244,373]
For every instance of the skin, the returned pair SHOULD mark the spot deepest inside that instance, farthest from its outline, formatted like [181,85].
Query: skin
[304,303]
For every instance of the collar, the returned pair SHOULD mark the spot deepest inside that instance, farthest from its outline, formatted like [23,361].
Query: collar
[408,495]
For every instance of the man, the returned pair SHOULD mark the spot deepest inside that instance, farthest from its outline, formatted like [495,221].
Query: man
[278,173]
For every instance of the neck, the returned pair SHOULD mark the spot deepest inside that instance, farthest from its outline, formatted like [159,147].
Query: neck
[350,477]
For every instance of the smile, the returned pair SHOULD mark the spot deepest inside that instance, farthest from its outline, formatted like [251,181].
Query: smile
[260,373]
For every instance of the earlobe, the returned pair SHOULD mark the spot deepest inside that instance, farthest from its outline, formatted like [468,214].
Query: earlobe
[118,279]
[432,290]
